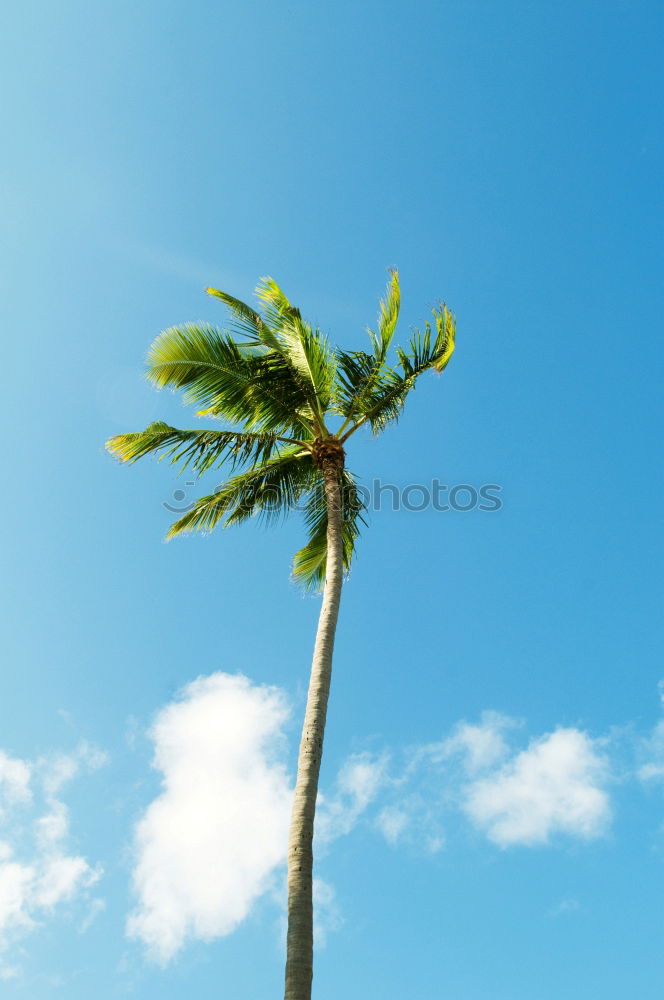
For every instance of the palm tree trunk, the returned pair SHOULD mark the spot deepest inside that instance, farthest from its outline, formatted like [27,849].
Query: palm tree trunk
[299,957]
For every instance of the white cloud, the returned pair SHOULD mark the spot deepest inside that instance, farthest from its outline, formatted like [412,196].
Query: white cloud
[37,870]
[392,821]
[481,745]
[60,878]
[359,781]
[652,749]
[653,768]
[59,769]
[327,915]
[412,797]
[96,907]
[427,784]
[557,785]
[403,803]
[568,905]
[14,782]
[207,846]
[16,882]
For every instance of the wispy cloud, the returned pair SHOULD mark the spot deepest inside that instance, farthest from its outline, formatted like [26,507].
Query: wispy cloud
[96,907]
[393,821]
[207,846]
[651,749]
[38,872]
[14,781]
[567,905]
[327,913]
[359,781]
[480,745]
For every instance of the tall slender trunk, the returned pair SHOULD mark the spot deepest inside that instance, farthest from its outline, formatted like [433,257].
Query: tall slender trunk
[299,957]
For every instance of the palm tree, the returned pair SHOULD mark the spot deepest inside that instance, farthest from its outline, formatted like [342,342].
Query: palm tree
[284,388]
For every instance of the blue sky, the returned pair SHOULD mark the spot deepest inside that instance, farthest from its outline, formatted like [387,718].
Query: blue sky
[493,806]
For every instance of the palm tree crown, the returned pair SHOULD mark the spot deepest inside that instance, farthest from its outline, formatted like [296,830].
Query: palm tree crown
[282,388]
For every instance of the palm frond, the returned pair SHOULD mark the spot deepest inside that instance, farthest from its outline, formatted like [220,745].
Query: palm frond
[356,378]
[246,320]
[305,348]
[301,348]
[309,353]
[270,491]
[310,563]
[385,400]
[358,373]
[445,337]
[387,318]
[427,352]
[276,303]
[199,450]
[231,380]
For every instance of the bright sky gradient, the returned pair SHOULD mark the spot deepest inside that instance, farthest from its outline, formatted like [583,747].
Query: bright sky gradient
[493,807]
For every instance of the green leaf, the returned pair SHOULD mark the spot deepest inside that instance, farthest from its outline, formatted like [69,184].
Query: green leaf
[197,449]
[247,320]
[383,399]
[446,337]
[387,318]
[305,348]
[231,380]
[269,491]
